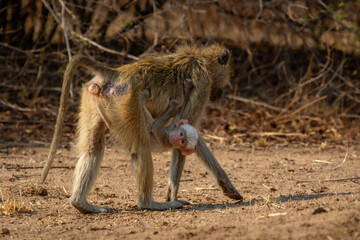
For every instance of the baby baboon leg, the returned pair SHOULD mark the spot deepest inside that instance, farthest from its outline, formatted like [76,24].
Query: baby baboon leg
[176,168]
[91,149]
[101,111]
[208,159]
[165,117]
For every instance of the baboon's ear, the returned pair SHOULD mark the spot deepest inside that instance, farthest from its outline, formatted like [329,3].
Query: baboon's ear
[224,57]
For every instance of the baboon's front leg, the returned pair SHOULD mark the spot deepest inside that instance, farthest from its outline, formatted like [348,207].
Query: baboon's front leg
[143,171]
[176,168]
[208,159]
[135,132]
[215,169]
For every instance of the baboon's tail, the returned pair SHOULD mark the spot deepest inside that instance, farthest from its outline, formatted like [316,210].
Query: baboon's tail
[75,62]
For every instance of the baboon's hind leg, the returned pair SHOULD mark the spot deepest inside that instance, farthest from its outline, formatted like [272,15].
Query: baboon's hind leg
[91,130]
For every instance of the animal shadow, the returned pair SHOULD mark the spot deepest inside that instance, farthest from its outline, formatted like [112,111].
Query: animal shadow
[281,198]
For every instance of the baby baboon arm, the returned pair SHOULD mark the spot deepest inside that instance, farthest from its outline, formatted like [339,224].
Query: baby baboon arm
[159,130]
[200,89]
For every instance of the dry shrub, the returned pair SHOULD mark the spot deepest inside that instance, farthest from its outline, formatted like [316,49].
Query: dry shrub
[11,204]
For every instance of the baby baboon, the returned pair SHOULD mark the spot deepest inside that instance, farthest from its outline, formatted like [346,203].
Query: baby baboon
[209,69]
[178,135]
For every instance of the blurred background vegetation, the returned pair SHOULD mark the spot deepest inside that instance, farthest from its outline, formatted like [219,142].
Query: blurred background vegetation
[297,63]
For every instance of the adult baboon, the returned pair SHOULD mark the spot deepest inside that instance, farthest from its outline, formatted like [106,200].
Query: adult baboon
[209,69]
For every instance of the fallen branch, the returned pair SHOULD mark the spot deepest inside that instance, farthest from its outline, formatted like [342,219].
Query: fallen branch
[330,180]
[21,109]
[266,134]
[16,107]
[285,116]
[221,139]
[245,100]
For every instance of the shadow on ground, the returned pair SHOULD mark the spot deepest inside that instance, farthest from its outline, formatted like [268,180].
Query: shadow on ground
[281,198]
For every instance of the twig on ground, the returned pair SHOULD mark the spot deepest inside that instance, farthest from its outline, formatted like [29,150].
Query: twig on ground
[344,160]
[330,180]
[322,161]
[221,139]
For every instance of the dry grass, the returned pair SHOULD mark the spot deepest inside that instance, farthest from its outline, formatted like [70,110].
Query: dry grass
[11,204]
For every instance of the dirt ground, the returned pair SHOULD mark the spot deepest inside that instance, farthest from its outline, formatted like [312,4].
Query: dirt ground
[289,192]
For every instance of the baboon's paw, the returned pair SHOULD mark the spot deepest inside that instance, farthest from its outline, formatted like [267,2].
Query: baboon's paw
[234,195]
[85,207]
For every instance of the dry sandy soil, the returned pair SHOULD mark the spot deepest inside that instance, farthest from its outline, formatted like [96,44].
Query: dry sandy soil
[289,194]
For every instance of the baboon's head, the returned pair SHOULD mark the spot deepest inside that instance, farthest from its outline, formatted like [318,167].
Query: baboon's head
[221,69]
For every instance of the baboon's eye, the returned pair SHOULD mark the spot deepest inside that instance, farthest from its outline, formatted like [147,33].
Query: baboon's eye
[181,134]
[182,141]
[224,57]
